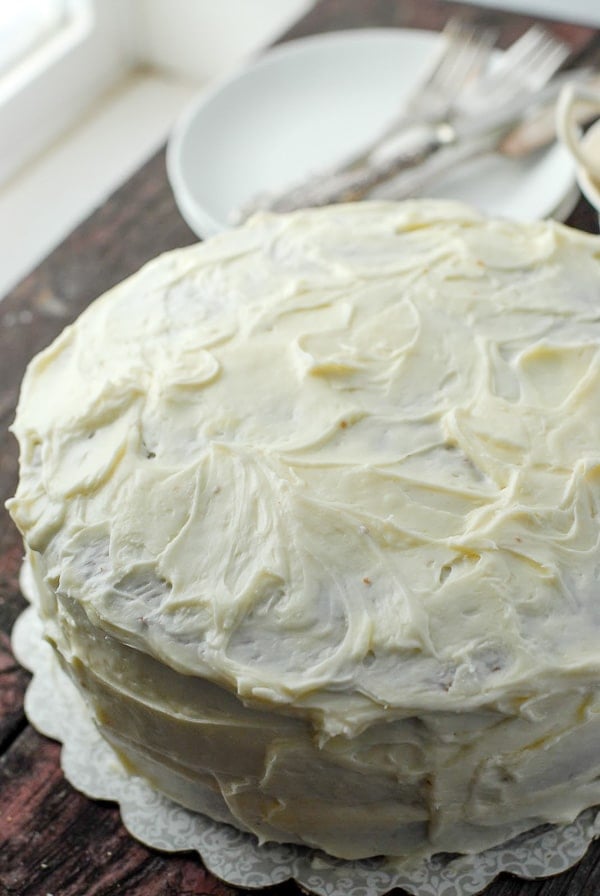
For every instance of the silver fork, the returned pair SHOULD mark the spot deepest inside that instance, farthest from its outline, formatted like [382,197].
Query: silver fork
[462,55]
[489,107]
[523,70]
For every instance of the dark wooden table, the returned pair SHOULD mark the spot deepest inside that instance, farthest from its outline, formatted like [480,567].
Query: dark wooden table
[52,839]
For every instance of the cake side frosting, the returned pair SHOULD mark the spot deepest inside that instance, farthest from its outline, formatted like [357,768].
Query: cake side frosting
[343,464]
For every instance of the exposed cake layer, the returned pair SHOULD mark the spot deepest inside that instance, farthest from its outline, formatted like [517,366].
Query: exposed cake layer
[340,468]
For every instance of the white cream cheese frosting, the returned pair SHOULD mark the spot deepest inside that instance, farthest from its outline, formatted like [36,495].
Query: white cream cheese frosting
[330,485]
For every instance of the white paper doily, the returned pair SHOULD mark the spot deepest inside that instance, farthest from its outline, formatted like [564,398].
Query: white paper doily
[56,709]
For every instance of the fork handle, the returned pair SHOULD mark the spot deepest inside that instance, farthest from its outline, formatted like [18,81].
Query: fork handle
[413,181]
[412,149]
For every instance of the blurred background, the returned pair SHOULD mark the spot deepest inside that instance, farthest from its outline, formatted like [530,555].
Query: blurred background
[89,89]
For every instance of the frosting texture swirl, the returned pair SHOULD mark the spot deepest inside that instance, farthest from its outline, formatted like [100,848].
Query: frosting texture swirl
[344,464]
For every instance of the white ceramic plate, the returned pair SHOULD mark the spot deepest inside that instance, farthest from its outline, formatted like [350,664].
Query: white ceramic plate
[310,102]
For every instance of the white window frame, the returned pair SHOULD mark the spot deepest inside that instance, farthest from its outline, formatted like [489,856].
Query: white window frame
[46,92]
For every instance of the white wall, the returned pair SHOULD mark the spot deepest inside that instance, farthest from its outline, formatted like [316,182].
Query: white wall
[204,39]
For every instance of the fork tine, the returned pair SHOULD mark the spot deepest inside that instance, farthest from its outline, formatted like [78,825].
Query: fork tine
[462,56]
[523,52]
[468,60]
[547,60]
[526,65]
[528,43]
[532,50]
[457,37]
[467,48]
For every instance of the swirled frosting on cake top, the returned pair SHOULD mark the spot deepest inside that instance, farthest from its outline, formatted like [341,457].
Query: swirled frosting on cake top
[346,460]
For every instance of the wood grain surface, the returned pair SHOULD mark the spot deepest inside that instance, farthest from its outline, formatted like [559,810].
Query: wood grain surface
[53,840]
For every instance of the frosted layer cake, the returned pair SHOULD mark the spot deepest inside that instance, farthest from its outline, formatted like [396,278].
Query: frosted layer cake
[313,510]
